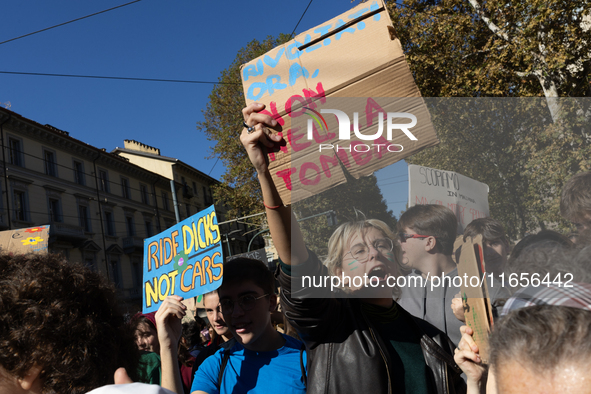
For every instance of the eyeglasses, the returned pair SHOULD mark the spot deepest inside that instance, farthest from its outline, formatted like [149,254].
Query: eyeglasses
[360,252]
[246,303]
[403,237]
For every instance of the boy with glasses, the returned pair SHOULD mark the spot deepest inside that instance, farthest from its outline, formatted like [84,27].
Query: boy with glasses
[258,359]
[427,234]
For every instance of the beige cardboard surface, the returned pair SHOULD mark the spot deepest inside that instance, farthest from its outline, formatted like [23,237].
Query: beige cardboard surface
[191,310]
[466,197]
[362,61]
[25,240]
[477,307]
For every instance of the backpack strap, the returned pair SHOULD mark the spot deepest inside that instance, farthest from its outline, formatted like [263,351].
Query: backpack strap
[302,367]
[225,359]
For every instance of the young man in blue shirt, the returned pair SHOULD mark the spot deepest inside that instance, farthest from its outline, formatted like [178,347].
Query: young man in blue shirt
[258,359]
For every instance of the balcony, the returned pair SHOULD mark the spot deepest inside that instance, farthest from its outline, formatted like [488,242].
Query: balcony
[133,244]
[66,232]
[134,293]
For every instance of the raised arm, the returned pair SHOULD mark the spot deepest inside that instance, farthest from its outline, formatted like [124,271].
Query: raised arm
[467,357]
[168,322]
[284,228]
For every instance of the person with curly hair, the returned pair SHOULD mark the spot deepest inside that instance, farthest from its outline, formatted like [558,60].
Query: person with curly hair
[61,330]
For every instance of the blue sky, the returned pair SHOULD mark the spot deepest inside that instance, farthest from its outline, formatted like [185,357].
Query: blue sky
[176,39]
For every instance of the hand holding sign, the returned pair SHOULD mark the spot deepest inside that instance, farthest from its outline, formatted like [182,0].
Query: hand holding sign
[467,357]
[168,322]
[457,307]
[252,141]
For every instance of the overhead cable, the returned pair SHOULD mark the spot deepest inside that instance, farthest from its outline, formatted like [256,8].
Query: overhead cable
[65,23]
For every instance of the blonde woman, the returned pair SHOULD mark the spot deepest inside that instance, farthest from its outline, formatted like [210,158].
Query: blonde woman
[363,342]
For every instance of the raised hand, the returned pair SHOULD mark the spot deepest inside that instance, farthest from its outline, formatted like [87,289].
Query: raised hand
[467,357]
[259,136]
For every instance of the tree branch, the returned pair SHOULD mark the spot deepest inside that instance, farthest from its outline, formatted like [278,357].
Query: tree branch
[484,51]
[491,25]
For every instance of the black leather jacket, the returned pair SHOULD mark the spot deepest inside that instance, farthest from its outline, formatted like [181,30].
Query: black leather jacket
[345,352]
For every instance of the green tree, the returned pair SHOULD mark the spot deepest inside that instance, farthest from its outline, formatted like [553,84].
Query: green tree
[467,48]
[222,124]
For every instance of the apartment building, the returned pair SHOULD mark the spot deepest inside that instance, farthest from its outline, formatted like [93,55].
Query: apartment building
[99,205]
[194,193]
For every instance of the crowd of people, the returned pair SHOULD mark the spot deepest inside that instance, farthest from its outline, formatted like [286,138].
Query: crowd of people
[61,330]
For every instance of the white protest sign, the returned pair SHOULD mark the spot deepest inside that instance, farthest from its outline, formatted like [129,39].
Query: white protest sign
[465,196]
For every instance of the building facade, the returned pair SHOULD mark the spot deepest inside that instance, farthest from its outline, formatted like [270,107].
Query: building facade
[100,205]
[193,193]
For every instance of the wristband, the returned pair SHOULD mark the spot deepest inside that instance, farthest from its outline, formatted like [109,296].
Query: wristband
[275,207]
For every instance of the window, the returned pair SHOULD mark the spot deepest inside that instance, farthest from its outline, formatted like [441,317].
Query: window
[207,196]
[109,223]
[165,201]
[20,205]
[188,210]
[55,211]
[149,231]
[104,181]
[50,163]
[145,195]
[79,177]
[16,153]
[90,261]
[130,226]
[195,189]
[138,273]
[125,188]
[115,271]
[84,216]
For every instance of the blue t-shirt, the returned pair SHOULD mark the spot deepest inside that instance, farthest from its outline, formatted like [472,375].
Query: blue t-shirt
[254,372]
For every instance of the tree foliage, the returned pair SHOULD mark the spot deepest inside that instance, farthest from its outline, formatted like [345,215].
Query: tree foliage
[467,48]
[222,124]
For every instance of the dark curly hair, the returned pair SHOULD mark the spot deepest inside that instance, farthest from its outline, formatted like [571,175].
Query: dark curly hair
[64,318]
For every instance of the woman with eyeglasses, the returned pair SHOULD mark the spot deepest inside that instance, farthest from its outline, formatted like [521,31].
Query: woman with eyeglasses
[358,338]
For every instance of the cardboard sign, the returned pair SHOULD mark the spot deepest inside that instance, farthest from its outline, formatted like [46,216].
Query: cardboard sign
[476,300]
[258,254]
[25,240]
[465,196]
[184,260]
[355,55]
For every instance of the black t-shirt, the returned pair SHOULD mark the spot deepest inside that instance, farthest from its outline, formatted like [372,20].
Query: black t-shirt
[403,344]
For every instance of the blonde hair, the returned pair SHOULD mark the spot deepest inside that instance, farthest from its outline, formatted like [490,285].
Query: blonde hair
[575,201]
[341,237]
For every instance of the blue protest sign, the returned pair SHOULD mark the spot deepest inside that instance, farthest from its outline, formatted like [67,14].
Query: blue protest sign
[184,260]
